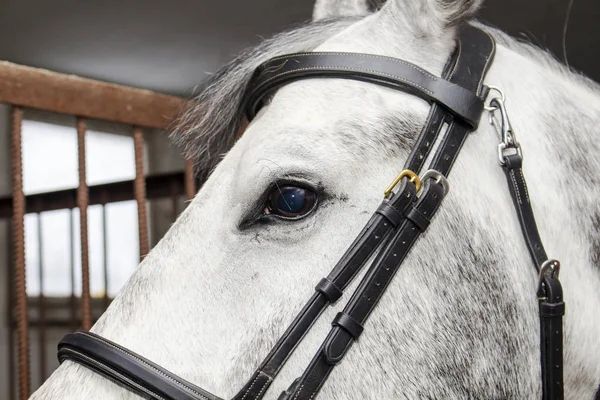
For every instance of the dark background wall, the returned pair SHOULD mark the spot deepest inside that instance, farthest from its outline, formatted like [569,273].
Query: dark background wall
[169,46]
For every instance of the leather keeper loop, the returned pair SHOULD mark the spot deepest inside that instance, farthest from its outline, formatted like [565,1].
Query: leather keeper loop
[329,290]
[417,218]
[390,213]
[552,310]
[348,324]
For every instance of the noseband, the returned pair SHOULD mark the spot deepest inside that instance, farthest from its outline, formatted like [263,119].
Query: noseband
[410,203]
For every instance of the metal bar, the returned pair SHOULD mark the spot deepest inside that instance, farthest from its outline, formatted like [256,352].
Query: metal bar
[10,291]
[82,203]
[41,302]
[190,182]
[72,95]
[73,302]
[157,186]
[11,363]
[55,322]
[19,255]
[105,249]
[140,190]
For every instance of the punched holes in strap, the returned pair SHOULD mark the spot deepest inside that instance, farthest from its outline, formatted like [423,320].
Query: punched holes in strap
[349,324]
[329,289]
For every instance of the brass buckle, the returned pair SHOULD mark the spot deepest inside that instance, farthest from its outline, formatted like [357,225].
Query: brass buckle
[414,178]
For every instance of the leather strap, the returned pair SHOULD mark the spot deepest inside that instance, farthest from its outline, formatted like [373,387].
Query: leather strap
[465,106]
[513,169]
[551,305]
[477,50]
[475,53]
[367,295]
[373,236]
[349,324]
[127,369]
[471,40]
[381,70]
[551,309]
[329,289]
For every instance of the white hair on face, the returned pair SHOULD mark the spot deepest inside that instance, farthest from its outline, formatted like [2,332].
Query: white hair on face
[460,319]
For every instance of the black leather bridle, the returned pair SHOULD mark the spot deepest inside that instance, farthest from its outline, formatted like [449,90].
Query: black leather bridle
[457,102]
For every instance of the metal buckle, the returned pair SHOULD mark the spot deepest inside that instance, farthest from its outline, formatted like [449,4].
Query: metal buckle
[439,178]
[549,267]
[509,144]
[414,178]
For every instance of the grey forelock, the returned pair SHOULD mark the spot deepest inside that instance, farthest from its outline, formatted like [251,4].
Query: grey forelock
[209,127]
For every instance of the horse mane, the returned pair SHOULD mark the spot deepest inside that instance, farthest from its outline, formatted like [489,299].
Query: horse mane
[209,125]
[542,56]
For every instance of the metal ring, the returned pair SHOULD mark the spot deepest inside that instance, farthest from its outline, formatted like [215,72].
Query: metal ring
[439,178]
[502,96]
[414,178]
[551,264]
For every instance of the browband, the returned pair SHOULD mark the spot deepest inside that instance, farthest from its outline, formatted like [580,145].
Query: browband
[385,71]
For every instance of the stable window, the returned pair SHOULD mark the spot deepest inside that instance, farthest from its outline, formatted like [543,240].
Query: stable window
[52,238]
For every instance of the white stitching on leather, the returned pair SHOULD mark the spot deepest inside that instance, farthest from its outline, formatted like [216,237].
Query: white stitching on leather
[415,67]
[114,372]
[298,392]
[524,185]
[346,69]
[180,384]
[457,61]
[269,379]
[512,175]
[250,387]
[487,62]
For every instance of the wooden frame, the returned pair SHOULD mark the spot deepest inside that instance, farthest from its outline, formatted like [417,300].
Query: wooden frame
[73,95]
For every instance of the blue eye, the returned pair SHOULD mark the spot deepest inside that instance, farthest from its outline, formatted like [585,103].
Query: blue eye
[291,201]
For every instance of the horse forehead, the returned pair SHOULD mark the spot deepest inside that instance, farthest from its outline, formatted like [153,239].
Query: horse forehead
[339,113]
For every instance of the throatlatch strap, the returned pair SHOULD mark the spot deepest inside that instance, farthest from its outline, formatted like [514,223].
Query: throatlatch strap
[551,304]
[513,168]
[551,309]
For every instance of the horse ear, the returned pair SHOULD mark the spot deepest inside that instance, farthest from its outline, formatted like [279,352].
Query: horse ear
[431,14]
[325,9]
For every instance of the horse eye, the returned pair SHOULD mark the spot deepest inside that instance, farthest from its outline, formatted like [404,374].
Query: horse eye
[290,202]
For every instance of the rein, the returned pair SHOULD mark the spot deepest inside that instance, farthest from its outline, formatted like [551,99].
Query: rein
[410,203]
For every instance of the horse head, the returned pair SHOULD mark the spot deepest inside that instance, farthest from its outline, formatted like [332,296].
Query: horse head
[287,197]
